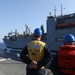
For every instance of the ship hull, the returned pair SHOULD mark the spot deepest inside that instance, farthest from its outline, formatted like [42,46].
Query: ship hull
[16,44]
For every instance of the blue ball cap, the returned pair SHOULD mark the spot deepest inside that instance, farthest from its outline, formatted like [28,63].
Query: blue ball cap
[69,38]
[38,31]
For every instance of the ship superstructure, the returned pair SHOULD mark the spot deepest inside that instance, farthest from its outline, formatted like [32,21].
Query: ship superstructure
[16,40]
[57,28]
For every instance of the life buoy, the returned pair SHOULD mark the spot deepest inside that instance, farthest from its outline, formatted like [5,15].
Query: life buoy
[66,59]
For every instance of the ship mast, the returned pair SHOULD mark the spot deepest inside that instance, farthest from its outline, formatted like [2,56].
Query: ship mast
[55,11]
[61,9]
[27,30]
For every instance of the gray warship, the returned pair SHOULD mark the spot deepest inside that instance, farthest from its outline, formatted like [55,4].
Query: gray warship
[57,27]
[15,40]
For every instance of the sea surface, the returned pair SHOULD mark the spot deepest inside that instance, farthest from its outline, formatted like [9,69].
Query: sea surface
[3,47]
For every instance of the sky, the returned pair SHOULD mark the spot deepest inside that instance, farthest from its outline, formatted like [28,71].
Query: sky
[14,14]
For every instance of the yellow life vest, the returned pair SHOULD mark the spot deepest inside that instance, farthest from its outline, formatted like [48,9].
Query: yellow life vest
[36,50]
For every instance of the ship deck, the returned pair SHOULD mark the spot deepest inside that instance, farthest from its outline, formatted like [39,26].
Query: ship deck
[11,64]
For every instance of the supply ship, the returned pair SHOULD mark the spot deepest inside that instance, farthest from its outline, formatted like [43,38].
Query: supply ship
[15,40]
[57,27]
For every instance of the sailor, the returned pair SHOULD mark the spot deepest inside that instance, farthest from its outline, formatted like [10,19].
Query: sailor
[36,55]
[63,62]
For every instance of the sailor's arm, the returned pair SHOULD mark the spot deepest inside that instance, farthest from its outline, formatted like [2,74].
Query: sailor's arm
[24,56]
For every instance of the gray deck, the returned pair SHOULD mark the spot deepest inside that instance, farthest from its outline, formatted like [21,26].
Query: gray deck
[10,63]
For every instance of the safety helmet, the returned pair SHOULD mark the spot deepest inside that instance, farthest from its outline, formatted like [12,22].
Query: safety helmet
[38,31]
[69,38]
